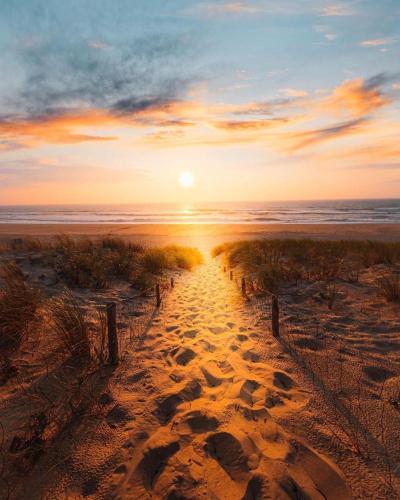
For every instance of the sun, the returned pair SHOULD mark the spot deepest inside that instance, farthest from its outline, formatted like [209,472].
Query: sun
[186,179]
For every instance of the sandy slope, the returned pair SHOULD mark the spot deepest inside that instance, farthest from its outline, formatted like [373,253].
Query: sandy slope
[192,414]
[216,436]
[204,425]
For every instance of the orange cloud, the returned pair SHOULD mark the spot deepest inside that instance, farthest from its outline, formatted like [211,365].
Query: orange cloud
[308,138]
[176,122]
[248,125]
[55,129]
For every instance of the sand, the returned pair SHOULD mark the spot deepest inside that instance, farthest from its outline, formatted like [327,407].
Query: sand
[205,236]
[210,406]
[191,414]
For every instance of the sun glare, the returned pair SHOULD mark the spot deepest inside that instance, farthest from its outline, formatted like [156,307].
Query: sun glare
[186,179]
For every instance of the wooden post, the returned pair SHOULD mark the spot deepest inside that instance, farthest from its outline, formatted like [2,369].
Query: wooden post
[231,275]
[224,269]
[172,282]
[112,333]
[244,285]
[158,295]
[275,316]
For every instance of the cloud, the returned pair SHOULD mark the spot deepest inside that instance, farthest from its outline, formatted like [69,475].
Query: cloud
[340,112]
[295,92]
[54,129]
[311,137]
[98,45]
[248,125]
[377,42]
[326,31]
[62,75]
[359,96]
[337,10]
[226,8]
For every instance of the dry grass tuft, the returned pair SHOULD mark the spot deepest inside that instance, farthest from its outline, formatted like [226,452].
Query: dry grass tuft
[389,287]
[70,326]
[19,303]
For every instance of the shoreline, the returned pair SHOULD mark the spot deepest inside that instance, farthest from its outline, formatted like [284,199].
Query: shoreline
[205,235]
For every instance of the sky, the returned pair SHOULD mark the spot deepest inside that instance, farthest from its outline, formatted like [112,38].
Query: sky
[109,101]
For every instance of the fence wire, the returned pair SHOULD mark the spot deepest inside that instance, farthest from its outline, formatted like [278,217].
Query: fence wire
[55,390]
[364,417]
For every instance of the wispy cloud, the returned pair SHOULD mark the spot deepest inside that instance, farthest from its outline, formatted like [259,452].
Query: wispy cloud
[378,42]
[214,9]
[343,111]
[337,10]
[316,136]
[294,92]
[326,31]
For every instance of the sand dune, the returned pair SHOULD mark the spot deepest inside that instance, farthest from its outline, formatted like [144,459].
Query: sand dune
[216,436]
[194,414]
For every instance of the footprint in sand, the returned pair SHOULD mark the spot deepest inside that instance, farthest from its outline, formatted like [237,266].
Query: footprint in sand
[217,330]
[283,381]
[217,373]
[247,390]
[251,355]
[199,422]
[228,452]
[154,462]
[183,355]
[171,328]
[167,405]
[191,334]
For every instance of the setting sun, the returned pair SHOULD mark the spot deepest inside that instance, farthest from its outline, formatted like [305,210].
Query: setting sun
[186,179]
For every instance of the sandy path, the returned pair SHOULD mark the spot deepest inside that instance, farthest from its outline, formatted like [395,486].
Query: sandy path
[208,428]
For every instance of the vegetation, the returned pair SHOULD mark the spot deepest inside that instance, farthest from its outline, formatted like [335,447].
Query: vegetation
[272,262]
[94,263]
[19,303]
[69,325]
[389,287]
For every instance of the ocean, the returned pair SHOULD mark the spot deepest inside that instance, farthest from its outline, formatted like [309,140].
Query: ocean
[288,212]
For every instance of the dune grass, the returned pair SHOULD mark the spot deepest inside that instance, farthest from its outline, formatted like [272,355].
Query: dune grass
[69,325]
[95,263]
[389,287]
[19,303]
[273,262]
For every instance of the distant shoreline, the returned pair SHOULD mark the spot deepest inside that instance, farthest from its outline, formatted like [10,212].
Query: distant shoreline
[205,235]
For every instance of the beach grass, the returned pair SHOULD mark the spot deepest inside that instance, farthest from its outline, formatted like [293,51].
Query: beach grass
[275,261]
[95,263]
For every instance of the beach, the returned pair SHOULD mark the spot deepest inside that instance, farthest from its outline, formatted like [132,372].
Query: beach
[204,235]
[205,402]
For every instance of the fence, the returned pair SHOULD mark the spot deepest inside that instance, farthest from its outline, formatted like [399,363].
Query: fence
[68,387]
[129,319]
[362,416]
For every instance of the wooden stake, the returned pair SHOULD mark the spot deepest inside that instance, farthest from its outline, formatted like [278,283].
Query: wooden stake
[224,269]
[244,285]
[172,282]
[158,295]
[231,275]
[275,316]
[112,333]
